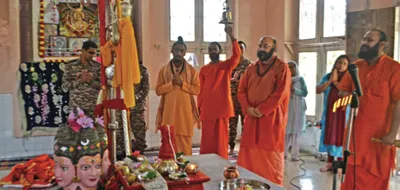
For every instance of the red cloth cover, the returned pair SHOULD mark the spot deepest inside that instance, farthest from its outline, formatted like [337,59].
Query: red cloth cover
[166,149]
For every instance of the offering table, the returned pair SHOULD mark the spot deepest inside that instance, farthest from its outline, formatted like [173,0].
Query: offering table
[213,166]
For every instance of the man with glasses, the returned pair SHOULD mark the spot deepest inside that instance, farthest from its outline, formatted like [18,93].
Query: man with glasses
[82,79]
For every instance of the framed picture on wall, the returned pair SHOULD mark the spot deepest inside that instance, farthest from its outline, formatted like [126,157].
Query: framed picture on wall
[75,44]
[58,44]
[50,30]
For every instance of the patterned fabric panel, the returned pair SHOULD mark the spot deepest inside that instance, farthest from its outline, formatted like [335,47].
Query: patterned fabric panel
[44,101]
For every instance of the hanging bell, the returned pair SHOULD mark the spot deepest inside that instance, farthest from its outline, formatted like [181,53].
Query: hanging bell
[226,17]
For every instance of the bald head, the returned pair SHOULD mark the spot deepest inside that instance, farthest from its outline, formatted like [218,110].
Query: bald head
[266,48]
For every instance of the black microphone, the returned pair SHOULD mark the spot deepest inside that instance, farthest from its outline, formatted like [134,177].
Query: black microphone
[353,70]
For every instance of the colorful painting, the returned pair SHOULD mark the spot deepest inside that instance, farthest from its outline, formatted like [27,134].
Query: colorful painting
[73,22]
[77,19]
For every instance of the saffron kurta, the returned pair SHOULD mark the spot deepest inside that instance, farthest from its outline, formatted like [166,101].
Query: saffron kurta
[262,145]
[177,105]
[215,103]
[381,89]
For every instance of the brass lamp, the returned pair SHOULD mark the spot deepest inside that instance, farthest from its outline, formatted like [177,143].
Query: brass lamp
[226,15]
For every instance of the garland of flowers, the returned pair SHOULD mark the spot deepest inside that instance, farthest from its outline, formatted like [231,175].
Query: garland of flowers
[41,30]
[53,15]
[42,48]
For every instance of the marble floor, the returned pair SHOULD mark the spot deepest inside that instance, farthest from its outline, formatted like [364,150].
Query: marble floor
[314,179]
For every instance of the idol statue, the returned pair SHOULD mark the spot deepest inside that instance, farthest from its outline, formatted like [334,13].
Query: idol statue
[65,143]
[78,149]
[88,155]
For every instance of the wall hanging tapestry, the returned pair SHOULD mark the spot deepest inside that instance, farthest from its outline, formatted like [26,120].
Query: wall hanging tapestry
[43,101]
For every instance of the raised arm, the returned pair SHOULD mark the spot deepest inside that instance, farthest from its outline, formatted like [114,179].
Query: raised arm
[232,62]
[163,88]
[302,91]
[282,90]
[192,88]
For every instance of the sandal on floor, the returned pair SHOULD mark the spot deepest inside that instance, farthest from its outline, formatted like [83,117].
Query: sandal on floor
[327,168]
[295,159]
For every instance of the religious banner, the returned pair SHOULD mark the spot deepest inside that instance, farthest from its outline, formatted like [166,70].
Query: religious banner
[43,102]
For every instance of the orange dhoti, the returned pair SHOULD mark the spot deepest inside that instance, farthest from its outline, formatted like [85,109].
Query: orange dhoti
[364,179]
[184,144]
[262,145]
[267,164]
[214,137]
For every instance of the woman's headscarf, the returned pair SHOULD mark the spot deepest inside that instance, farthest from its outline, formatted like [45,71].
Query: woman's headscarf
[296,67]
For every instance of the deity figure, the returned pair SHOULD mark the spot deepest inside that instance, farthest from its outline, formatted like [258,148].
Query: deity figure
[89,158]
[65,143]
[77,22]
[105,161]
[78,152]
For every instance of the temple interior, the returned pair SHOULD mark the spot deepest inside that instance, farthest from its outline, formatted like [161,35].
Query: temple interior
[41,39]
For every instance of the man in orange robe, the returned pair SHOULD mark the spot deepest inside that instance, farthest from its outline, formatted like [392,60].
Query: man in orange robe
[215,100]
[177,84]
[378,115]
[264,92]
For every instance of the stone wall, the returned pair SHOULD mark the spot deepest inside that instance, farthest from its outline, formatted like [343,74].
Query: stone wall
[358,23]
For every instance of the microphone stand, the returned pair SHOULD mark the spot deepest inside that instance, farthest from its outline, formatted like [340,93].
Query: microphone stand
[336,164]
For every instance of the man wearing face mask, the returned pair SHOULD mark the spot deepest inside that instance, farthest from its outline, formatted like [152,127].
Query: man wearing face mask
[177,84]
[264,93]
[82,79]
[215,102]
[378,115]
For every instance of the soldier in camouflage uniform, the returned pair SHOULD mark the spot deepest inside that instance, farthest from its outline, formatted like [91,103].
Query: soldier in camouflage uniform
[138,123]
[236,75]
[137,118]
[82,79]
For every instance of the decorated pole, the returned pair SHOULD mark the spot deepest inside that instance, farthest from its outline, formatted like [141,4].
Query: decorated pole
[119,73]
